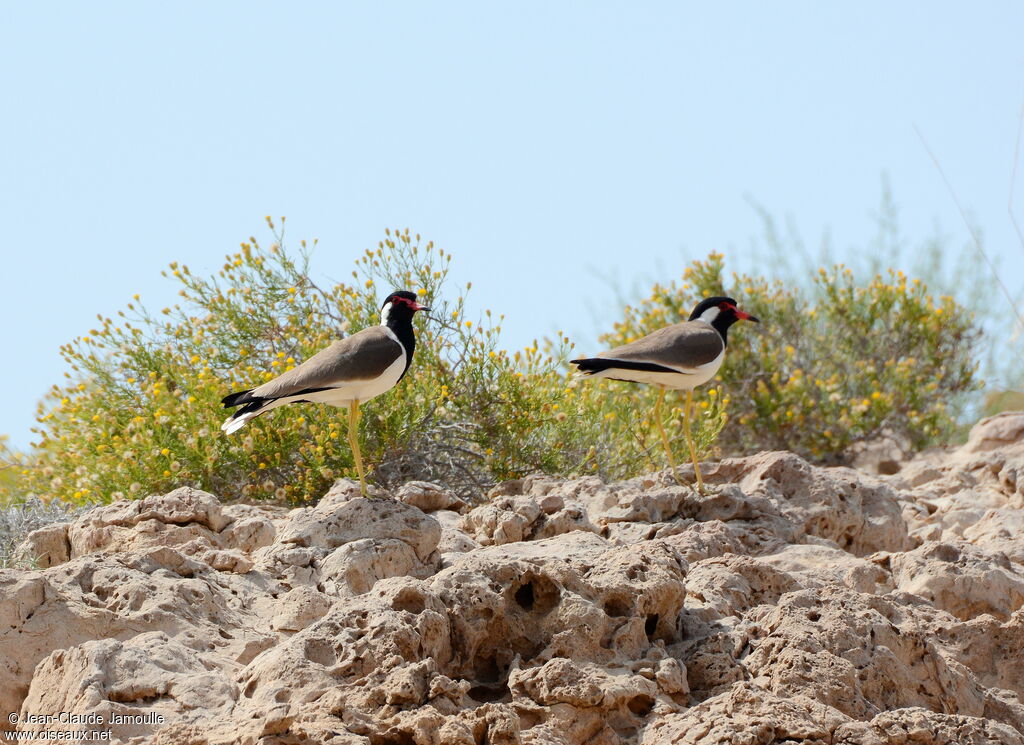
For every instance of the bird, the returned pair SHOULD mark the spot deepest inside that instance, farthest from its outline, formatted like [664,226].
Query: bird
[347,373]
[678,357]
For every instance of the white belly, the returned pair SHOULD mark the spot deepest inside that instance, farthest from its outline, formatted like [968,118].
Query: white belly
[679,380]
[360,390]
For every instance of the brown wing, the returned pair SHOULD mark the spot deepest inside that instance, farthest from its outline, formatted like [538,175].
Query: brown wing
[363,356]
[682,346]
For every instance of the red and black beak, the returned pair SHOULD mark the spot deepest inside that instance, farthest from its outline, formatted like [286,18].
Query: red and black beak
[746,316]
[416,306]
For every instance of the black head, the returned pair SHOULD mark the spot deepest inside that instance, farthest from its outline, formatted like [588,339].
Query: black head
[399,307]
[720,312]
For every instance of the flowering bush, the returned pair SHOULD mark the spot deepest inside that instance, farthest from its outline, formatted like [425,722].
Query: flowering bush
[142,412]
[825,369]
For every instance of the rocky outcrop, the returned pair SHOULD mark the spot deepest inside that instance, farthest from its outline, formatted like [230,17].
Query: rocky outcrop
[790,604]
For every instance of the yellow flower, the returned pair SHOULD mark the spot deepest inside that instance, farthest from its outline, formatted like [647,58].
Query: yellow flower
[165,451]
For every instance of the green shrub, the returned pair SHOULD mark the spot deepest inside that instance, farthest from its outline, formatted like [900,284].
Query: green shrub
[843,362]
[142,412]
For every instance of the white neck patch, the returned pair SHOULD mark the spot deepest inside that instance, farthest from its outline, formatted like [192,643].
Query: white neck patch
[710,314]
[384,313]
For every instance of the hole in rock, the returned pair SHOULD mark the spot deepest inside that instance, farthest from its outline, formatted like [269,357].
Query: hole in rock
[814,616]
[888,467]
[537,594]
[524,596]
[486,694]
[487,670]
[410,601]
[250,689]
[320,652]
[618,607]
[651,624]
[946,552]
[641,705]
[398,737]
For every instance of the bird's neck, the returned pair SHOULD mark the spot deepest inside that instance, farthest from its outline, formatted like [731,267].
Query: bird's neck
[722,325]
[402,329]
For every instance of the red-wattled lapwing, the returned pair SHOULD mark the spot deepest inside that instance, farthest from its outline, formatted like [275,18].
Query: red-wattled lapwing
[347,373]
[680,357]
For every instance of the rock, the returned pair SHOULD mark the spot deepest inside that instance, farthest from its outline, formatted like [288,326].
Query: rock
[453,539]
[816,565]
[429,497]
[299,608]
[762,717]
[791,603]
[961,579]
[1002,431]
[137,686]
[335,522]
[46,547]
[859,514]
[916,725]
[179,517]
[356,567]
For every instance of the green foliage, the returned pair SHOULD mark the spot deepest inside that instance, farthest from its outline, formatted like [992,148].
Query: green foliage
[966,272]
[841,362]
[142,412]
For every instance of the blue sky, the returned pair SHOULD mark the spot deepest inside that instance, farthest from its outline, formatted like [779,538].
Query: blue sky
[549,146]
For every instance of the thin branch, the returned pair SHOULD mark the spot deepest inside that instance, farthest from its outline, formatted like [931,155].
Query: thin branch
[1013,177]
[970,228]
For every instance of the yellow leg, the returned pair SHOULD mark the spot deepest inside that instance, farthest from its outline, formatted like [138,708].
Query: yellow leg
[353,441]
[689,439]
[664,437]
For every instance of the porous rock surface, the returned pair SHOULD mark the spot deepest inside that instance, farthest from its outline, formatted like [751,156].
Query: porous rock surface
[791,604]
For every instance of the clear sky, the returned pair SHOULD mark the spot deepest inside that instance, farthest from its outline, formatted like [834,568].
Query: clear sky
[549,146]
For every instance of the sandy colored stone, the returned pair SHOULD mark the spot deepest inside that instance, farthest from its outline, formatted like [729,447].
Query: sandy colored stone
[790,603]
[150,680]
[916,726]
[46,547]
[960,578]
[429,497]
[749,715]
[347,517]
[300,607]
[817,565]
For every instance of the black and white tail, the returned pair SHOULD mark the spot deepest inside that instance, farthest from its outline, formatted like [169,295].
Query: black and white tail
[252,407]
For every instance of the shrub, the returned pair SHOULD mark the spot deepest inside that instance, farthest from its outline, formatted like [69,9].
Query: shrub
[142,412]
[844,362]
[18,520]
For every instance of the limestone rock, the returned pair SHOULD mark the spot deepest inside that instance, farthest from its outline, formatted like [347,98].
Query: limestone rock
[790,603]
[46,547]
[429,497]
[961,578]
